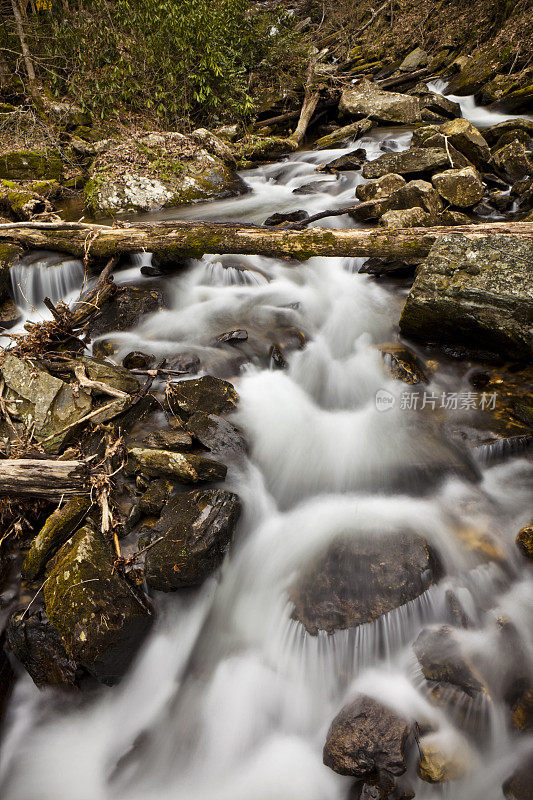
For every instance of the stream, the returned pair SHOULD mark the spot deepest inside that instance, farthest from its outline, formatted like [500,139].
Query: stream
[230,698]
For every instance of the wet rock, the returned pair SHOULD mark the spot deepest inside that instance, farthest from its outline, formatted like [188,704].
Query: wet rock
[416,194]
[355,581]
[315,187]
[436,103]
[443,660]
[232,337]
[9,314]
[197,528]
[431,136]
[402,363]
[110,375]
[289,216]
[20,202]
[7,677]
[522,716]
[368,740]
[30,165]
[188,468]
[349,161]
[518,786]
[416,59]
[217,434]
[39,647]
[513,161]
[440,762]
[101,618]
[460,187]
[407,218]
[524,541]
[353,131]
[452,217]
[57,529]
[380,267]
[177,439]
[510,126]
[366,99]
[186,363]
[264,148]
[155,497]
[522,191]
[408,162]
[158,170]
[208,394]
[474,293]
[137,360]
[126,308]
[466,138]
[42,401]
[380,188]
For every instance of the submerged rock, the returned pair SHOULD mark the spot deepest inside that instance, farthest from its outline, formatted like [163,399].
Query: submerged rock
[39,647]
[208,395]
[368,740]
[460,187]
[474,293]
[357,580]
[439,762]
[366,99]
[443,660]
[518,786]
[101,618]
[197,528]
[56,531]
[402,363]
[125,308]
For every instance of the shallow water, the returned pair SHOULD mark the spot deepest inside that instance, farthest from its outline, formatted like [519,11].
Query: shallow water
[231,697]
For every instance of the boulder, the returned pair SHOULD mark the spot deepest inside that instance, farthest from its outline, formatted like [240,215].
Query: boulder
[379,188]
[440,762]
[416,194]
[209,395]
[108,374]
[217,434]
[19,202]
[437,103]
[263,148]
[407,218]
[126,308]
[430,136]
[57,529]
[416,59]
[288,216]
[189,468]
[510,126]
[197,528]
[353,131]
[518,786]
[366,99]
[479,68]
[368,740]
[357,580]
[460,187]
[67,115]
[467,140]
[7,677]
[154,498]
[31,165]
[408,162]
[349,161]
[39,647]
[137,360]
[475,293]
[101,618]
[443,660]
[9,314]
[513,161]
[524,541]
[157,170]
[177,439]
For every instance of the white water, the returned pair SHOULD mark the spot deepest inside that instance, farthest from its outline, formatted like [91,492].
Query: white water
[233,699]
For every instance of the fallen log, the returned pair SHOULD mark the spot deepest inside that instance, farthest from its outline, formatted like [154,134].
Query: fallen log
[28,477]
[177,239]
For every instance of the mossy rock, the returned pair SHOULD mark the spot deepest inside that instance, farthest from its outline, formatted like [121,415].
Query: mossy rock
[480,68]
[21,202]
[101,618]
[208,395]
[56,531]
[29,165]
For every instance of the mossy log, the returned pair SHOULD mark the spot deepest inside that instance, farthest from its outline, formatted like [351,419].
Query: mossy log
[176,239]
[43,478]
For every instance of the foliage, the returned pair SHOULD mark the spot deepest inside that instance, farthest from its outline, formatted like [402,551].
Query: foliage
[170,59]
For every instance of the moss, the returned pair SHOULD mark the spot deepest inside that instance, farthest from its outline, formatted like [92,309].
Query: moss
[56,531]
[27,165]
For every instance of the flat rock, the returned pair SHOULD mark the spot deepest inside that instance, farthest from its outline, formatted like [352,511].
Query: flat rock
[460,187]
[177,439]
[197,528]
[208,394]
[408,162]
[478,294]
[353,131]
[368,100]
[182,467]
[217,434]
[357,580]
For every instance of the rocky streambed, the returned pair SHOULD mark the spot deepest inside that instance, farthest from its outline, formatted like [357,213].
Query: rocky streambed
[277,502]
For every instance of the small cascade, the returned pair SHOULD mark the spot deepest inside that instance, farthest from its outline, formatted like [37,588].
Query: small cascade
[44,274]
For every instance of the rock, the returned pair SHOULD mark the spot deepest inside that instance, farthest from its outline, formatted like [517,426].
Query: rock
[349,161]
[524,541]
[408,162]
[474,293]
[367,739]
[453,217]
[9,314]
[353,131]
[57,529]
[67,115]
[357,580]
[184,468]
[30,165]
[522,191]
[39,647]
[197,528]
[436,103]
[380,267]
[217,434]
[467,140]
[416,59]
[513,161]
[101,618]
[264,148]
[443,660]
[155,497]
[407,218]
[518,786]
[479,68]
[289,216]
[208,394]
[416,194]
[380,188]
[315,187]
[137,360]
[7,677]
[214,145]
[126,308]
[111,375]
[178,440]
[522,716]
[402,363]
[439,762]
[42,402]
[366,99]
[186,363]
[19,202]
[159,170]
[430,136]
[510,126]
[460,187]
[236,336]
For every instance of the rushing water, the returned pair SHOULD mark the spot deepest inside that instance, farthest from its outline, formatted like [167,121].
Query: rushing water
[231,699]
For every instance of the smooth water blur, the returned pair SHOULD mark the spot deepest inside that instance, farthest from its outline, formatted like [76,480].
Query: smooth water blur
[231,699]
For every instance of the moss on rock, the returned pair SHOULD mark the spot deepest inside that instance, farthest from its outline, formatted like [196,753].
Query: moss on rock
[29,165]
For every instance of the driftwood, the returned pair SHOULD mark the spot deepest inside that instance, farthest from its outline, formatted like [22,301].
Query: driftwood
[173,239]
[27,477]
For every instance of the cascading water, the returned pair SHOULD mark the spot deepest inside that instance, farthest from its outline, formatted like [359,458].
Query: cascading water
[43,274]
[231,698]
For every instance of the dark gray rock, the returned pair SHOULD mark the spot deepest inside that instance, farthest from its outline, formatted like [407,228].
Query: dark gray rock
[217,434]
[38,646]
[209,395]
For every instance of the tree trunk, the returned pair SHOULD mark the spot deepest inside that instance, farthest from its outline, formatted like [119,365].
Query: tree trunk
[27,477]
[28,63]
[176,239]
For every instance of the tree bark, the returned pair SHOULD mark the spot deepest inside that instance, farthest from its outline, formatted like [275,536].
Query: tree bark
[176,239]
[27,477]
[28,63]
